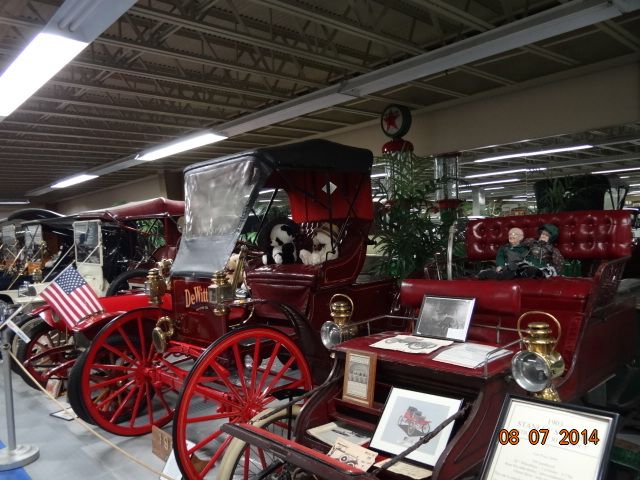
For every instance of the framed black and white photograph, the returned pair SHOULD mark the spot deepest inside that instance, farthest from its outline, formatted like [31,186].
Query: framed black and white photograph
[359,377]
[541,439]
[445,317]
[410,415]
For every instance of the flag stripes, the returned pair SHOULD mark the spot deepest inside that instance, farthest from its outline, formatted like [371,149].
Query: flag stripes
[71,297]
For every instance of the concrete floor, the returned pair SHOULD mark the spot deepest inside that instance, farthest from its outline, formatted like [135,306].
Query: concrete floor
[68,451]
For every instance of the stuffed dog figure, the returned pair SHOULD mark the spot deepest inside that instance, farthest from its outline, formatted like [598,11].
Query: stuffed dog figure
[324,237]
[281,248]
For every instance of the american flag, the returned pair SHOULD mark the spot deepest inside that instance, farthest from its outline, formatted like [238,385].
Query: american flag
[71,297]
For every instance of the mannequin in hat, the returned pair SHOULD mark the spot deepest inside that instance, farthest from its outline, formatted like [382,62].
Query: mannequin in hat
[508,258]
[543,258]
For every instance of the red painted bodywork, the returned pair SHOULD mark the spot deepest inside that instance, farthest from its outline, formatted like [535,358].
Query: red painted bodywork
[588,310]
[112,307]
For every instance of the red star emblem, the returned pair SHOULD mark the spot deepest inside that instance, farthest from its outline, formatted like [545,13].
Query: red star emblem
[390,120]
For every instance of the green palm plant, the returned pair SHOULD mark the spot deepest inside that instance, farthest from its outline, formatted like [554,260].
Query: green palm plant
[407,233]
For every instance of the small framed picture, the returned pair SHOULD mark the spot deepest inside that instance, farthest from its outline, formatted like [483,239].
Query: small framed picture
[359,377]
[410,415]
[568,441]
[445,317]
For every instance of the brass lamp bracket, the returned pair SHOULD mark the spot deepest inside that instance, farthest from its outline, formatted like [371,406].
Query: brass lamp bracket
[162,332]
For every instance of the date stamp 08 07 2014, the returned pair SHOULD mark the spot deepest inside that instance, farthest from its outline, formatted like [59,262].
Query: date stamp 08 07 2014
[539,436]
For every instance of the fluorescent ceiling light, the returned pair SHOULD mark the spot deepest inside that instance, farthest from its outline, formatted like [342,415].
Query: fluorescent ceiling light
[626,176]
[617,170]
[635,185]
[183,145]
[635,192]
[465,191]
[532,154]
[493,188]
[379,175]
[38,62]
[492,182]
[74,180]
[506,172]
[14,202]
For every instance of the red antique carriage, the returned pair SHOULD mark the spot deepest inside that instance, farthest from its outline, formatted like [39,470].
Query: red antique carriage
[413,422]
[113,248]
[215,358]
[588,335]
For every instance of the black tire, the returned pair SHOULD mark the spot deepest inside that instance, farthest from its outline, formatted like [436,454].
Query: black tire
[73,389]
[15,340]
[74,393]
[121,282]
[35,328]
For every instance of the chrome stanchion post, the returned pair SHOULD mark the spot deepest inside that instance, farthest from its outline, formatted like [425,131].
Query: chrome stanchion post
[12,456]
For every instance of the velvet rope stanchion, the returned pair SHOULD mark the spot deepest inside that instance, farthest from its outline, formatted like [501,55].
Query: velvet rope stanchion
[88,428]
[12,456]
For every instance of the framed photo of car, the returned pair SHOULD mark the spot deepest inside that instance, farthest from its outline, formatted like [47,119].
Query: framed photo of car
[445,317]
[557,440]
[410,415]
[359,377]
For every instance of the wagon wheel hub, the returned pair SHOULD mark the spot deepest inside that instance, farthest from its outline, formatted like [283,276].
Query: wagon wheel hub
[253,407]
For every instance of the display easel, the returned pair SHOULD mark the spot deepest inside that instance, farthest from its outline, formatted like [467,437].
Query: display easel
[12,456]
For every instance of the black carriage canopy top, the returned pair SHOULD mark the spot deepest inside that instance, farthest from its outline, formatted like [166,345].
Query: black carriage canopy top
[220,194]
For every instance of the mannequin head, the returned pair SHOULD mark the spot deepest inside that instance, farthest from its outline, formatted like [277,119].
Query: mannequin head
[515,236]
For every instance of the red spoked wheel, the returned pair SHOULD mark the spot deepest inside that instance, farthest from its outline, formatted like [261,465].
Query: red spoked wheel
[242,461]
[237,377]
[121,383]
[49,354]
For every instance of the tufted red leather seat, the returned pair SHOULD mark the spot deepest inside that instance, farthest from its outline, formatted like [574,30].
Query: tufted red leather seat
[585,235]
[601,238]
[294,283]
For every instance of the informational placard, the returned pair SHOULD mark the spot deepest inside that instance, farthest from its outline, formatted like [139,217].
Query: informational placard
[539,440]
[359,377]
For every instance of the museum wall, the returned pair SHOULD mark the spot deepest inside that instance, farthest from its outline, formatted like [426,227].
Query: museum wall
[570,105]
[586,100]
[143,189]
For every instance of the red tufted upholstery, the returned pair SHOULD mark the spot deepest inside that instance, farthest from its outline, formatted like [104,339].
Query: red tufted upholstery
[602,237]
[592,234]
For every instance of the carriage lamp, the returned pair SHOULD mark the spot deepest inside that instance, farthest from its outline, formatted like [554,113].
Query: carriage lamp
[535,368]
[161,333]
[155,287]
[164,269]
[220,291]
[338,330]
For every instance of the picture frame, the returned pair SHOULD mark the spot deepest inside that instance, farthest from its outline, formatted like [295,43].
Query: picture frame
[408,416]
[445,317]
[571,442]
[359,377]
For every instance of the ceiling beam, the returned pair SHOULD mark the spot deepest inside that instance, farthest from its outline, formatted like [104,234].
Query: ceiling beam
[236,36]
[203,60]
[554,21]
[326,18]
[169,53]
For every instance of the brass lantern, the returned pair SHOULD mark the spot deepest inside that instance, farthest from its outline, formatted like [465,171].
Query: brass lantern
[338,330]
[535,368]
[155,287]
[220,291]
